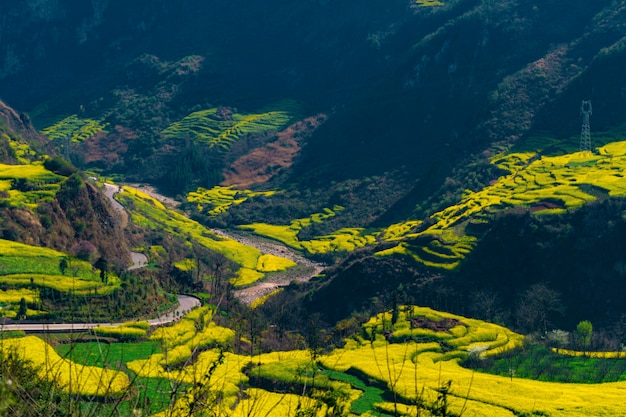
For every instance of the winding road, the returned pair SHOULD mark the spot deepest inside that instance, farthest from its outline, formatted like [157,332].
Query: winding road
[186,303]
[139,260]
[303,272]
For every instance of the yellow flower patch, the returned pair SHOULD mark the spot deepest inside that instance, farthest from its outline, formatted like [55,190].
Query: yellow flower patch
[67,375]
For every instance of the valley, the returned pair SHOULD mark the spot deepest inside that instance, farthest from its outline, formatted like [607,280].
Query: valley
[312,209]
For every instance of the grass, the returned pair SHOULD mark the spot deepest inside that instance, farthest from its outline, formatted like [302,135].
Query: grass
[108,355]
[115,356]
[366,401]
[220,130]
[74,128]
[540,363]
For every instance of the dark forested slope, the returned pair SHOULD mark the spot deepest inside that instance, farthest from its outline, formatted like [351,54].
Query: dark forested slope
[408,103]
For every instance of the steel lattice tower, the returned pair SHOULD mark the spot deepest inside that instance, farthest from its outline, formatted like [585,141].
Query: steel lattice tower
[585,131]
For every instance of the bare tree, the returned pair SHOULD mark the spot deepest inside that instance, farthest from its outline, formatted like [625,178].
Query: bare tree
[536,307]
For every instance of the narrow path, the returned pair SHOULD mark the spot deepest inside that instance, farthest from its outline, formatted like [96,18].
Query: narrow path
[109,191]
[139,259]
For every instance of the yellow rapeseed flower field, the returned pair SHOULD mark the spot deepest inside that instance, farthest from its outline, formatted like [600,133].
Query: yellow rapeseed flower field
[67,375]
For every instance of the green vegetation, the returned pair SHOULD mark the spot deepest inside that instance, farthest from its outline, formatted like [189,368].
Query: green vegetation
[542,184]
[74,128]
[220,127]
[66,374]
[343,240]
[24,154]
[27,271]
[540,363]
[429,3]
[151,213]
[106,354]
[397,362]
[219,199]
[124,332]
[27,185]
[260,301]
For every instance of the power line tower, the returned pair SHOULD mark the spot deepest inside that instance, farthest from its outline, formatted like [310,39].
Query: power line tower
[585,131]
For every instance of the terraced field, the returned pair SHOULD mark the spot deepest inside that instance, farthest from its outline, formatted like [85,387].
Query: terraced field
[429,3]
[25,270]
[149,212]
[542,184]
[219,199]
[343,240]
[27,185]
[74,128]
[220,128]
[412,356]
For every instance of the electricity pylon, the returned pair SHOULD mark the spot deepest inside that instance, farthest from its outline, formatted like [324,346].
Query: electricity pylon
[585,131]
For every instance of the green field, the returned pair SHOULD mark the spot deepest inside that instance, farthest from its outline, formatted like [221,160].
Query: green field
[74,128]
[24,268]
[220,129]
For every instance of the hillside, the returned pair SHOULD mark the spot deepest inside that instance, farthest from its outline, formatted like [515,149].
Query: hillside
[311,172]
[371,156]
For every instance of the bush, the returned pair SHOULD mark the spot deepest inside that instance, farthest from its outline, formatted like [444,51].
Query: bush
[59,166]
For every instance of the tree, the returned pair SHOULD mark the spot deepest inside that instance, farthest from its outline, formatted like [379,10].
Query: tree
[536,307]
[485,304]
[21,313]
[63,265]
[84,250]
[584,329]
[103,265]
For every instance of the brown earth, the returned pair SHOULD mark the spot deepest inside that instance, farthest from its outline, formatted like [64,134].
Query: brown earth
[437,326]
[261,164]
